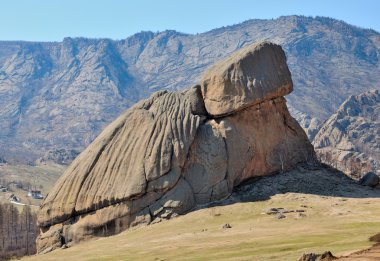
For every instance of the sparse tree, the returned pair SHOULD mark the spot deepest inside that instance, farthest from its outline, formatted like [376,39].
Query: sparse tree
[18,231]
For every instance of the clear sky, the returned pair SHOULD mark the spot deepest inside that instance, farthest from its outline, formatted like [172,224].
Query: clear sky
[52,20]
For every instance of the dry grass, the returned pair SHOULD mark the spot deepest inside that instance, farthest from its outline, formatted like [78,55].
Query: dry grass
[342,225]
[41,177]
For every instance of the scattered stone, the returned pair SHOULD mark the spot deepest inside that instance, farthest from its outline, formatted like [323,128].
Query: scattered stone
[64,246]
[272,211]
[156,220]
[174,215]
[278,211]
[159,259]
[370,179]
[301,215]
[226,226]
[326,256]
[280,216]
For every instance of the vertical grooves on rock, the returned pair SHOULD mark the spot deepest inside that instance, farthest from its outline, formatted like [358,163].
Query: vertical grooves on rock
[95,161]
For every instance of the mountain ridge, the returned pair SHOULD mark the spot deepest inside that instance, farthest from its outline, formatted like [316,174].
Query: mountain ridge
[349,139]
[50,89]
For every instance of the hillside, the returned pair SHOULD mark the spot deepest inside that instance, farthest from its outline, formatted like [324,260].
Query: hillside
[324,209]
[20,179]
[350,139]
[57,96]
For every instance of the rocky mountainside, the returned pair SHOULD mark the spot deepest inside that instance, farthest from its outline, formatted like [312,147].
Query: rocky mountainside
[350,139]
[177,150]
[57,96]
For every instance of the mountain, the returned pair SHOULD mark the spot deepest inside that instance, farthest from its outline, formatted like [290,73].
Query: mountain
[57,96]
[350,138]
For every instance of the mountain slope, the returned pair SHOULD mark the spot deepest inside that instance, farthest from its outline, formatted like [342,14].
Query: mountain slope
[350,138]
[59,95]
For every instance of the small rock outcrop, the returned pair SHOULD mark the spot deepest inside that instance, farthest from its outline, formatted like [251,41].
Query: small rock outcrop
[370,179]
[375,238]
[350,139]
[177,150]
[326,256]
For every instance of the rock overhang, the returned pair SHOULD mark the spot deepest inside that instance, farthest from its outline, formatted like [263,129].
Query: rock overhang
[250,76]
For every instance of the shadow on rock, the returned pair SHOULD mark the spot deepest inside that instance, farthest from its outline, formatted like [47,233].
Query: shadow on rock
[323,180]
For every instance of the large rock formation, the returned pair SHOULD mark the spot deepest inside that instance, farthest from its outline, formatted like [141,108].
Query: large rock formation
[167,154]
[350,139]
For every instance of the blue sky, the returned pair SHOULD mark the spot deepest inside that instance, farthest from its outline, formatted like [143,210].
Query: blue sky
[52,20]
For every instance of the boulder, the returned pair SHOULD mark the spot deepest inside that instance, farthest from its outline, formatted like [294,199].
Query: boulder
[168,154]
[370,179]
[252,75]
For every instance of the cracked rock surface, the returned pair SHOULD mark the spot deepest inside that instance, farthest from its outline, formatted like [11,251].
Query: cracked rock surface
[168,154]
[350,139]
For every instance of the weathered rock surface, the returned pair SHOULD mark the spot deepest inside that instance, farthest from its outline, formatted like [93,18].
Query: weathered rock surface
[140,155]
[166,155]
[350,139]
[252,75]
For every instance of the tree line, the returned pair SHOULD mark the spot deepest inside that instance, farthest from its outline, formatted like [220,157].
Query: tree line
[18,231]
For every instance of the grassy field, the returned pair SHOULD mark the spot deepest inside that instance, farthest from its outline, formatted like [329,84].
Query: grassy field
[341,225]
[40,177]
